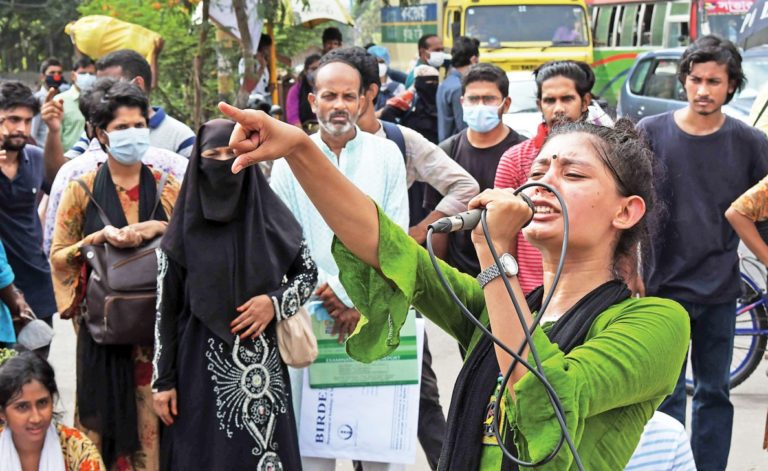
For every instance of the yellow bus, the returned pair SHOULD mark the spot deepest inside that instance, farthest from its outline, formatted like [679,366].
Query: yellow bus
[521,34]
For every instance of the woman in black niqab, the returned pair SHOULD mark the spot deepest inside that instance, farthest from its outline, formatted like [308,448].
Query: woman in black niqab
[232,264]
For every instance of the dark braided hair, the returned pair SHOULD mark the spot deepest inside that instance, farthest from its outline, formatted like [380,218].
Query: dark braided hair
[634,169]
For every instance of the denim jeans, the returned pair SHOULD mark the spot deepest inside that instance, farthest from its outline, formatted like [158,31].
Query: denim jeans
[712,331]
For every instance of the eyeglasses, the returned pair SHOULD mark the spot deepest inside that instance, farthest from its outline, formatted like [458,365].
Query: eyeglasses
[488,100]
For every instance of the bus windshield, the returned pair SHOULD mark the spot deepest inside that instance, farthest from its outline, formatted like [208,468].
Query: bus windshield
[496,26]
[725,16]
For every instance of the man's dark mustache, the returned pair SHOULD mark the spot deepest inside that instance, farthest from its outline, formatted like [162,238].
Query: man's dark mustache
[339,114]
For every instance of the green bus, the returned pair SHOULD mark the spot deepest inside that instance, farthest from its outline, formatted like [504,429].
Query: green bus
[623,29]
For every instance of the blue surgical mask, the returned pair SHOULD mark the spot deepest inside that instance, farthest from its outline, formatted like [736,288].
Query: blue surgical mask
[128,146]
[481,118]
[85,81]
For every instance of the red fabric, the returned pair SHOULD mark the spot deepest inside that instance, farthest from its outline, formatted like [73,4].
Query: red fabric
[541,135]
[133,193]
[513,171]
[403,101]
[142,373]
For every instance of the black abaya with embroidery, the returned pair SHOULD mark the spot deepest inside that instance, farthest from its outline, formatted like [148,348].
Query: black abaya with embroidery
[231,239]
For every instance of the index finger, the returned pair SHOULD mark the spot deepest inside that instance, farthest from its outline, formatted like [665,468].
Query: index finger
[51,93]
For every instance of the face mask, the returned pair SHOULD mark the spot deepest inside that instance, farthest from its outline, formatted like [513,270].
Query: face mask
[382,70]
[220,189]
[54,81]
[85,81]
[128,146]
[426,88]
[436,58]
[481,118]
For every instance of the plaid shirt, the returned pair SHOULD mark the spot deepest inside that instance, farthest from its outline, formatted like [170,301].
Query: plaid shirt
[513,171]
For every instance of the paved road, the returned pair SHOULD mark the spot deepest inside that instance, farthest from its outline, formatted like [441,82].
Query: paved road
[750,399]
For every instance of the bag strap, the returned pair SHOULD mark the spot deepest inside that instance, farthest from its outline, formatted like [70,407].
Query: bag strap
[159,193]
[449,145]
[103,214]
[395,135]
[760,115]
[99,210]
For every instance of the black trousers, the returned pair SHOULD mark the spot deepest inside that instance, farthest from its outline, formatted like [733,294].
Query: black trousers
[431,429]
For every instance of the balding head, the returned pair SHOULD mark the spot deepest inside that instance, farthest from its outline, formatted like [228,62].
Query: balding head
[337,97]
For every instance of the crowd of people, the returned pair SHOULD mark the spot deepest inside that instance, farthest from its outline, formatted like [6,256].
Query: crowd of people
[366,160]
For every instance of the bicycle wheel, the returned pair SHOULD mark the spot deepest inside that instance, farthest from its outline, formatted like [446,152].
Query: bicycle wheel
[748,344]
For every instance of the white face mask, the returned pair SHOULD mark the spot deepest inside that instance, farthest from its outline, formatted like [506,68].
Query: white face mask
[436,58]
[382,70]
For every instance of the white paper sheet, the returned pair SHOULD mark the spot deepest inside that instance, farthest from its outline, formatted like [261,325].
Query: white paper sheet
[362,423]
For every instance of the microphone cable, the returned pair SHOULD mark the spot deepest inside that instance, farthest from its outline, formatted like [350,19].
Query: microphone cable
[538,371]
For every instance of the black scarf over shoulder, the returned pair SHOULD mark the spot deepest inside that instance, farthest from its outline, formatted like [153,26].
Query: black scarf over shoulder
[232,234]
[106,399]
[305,109]
[477,379]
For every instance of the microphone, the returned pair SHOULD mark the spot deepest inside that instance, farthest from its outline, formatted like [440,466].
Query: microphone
[467,220]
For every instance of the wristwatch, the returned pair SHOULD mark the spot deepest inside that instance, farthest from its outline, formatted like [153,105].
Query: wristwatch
[491,273]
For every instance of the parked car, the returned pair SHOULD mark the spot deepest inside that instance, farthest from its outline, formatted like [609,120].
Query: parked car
[652,86]
[523,115]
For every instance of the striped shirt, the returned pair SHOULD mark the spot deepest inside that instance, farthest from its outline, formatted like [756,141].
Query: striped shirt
[513,170]
[165,132]
[663,446]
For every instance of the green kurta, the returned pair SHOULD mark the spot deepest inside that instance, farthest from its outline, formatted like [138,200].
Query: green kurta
[609,386]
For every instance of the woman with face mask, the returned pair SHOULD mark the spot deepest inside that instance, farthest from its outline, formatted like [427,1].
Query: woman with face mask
[30,438]
[233,263]
[297,109]
[416,108]
[114,398]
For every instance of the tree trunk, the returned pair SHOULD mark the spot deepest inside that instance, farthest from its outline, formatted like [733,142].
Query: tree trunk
[246,51]
[197,69]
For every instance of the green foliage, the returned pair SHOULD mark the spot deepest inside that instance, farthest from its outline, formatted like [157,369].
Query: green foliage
[172,19]
[6,353]
[30,34]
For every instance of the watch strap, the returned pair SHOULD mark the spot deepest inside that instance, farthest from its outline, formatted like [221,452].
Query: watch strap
[488,275]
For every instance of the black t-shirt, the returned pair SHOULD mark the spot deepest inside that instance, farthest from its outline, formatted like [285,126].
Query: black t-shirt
[694,256]
[481,164]
[21,231]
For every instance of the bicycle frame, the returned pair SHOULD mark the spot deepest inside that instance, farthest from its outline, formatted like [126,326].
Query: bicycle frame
[745,308]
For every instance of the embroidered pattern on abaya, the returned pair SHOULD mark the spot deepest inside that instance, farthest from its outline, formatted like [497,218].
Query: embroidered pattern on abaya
[250,393]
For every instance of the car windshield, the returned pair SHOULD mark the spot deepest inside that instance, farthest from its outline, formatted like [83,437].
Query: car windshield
[494,26]
[756,71]
[523,93]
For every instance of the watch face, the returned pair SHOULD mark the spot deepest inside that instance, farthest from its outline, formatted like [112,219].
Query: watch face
[510,264]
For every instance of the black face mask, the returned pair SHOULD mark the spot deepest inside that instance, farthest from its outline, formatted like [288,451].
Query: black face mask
[426,87]
[54,81]
[220,190]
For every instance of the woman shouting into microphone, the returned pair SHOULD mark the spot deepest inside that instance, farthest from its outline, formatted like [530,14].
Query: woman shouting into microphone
[610,358]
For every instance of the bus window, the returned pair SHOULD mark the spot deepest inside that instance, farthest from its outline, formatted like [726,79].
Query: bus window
[677,34]
[453,23]
[657,24]
[646,14]
[614,32]
[628,22]
[603,20]
[495,25]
